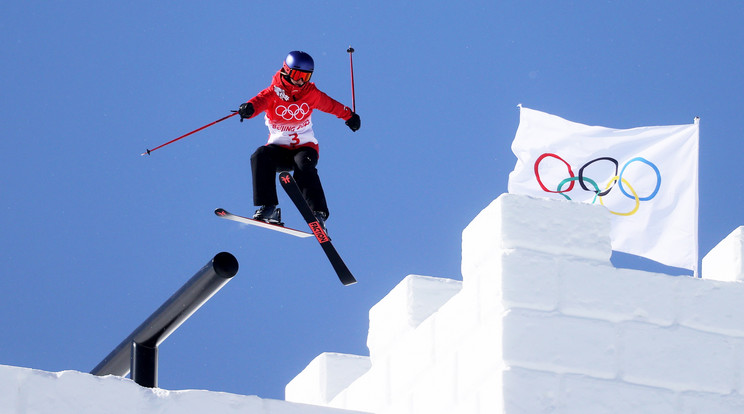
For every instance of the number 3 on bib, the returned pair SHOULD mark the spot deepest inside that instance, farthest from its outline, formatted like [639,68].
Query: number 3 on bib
[295,139]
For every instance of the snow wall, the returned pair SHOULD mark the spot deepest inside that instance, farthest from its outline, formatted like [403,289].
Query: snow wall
[541,323]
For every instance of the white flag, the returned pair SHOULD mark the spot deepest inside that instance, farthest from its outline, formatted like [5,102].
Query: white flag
[647,177]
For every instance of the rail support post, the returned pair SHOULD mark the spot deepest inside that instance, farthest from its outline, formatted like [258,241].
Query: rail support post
[144,365]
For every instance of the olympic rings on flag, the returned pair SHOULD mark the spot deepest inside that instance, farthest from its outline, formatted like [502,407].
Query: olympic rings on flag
[581,173]
[537,173]
[650,164]
[635,196]
[617,178]
[596,187]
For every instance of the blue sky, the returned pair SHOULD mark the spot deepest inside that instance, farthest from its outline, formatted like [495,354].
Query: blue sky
[95,237]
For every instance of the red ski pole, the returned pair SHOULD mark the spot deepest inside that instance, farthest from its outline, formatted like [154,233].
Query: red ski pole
[351,65]
[185,135]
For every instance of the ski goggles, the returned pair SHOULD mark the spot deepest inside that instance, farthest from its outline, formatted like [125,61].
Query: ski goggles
[297,74]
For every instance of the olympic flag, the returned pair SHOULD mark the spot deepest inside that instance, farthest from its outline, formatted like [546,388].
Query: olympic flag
[647,177]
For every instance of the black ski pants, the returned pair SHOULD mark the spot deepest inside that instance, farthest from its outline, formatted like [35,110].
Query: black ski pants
[267,160]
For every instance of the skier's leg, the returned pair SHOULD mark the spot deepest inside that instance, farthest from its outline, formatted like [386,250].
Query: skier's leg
[264,163]
[306,176]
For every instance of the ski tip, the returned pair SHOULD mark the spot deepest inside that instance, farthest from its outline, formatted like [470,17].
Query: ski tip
[349,282]
[220,211]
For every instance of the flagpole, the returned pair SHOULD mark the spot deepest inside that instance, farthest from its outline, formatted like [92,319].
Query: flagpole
[696,271]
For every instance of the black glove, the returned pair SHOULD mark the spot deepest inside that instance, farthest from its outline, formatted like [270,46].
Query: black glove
[354,122]
[245,111]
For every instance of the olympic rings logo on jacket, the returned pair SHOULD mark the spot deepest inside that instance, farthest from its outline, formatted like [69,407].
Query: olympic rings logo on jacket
[617,179]
[293,111]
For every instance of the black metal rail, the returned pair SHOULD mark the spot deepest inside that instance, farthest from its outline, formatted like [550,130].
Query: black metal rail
[138,353]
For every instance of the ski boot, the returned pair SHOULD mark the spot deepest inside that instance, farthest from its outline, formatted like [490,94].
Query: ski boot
[269,214]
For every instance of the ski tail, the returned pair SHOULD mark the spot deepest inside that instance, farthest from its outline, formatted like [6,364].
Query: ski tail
[294,193]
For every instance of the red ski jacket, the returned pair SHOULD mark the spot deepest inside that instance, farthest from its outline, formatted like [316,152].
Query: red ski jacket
[288,109]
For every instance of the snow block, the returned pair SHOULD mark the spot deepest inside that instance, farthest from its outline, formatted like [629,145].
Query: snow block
[724,262]
[524,279]
[711,403]
[617,295]
[327,375]
[720,301]
[553,342]
[369,393]
[405,307]
[454,320]
[479,355]
[555,227]
[440,380]
[529,391]
[677,358]
[410,358]
[582,394]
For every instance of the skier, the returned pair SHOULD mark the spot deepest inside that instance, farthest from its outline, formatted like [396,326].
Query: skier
[288,103]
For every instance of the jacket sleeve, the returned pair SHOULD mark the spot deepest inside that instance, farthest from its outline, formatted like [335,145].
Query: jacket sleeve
[329,105]
[261,101]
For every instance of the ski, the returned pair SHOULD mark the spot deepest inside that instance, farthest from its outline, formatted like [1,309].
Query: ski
[221,212]
[293,191]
